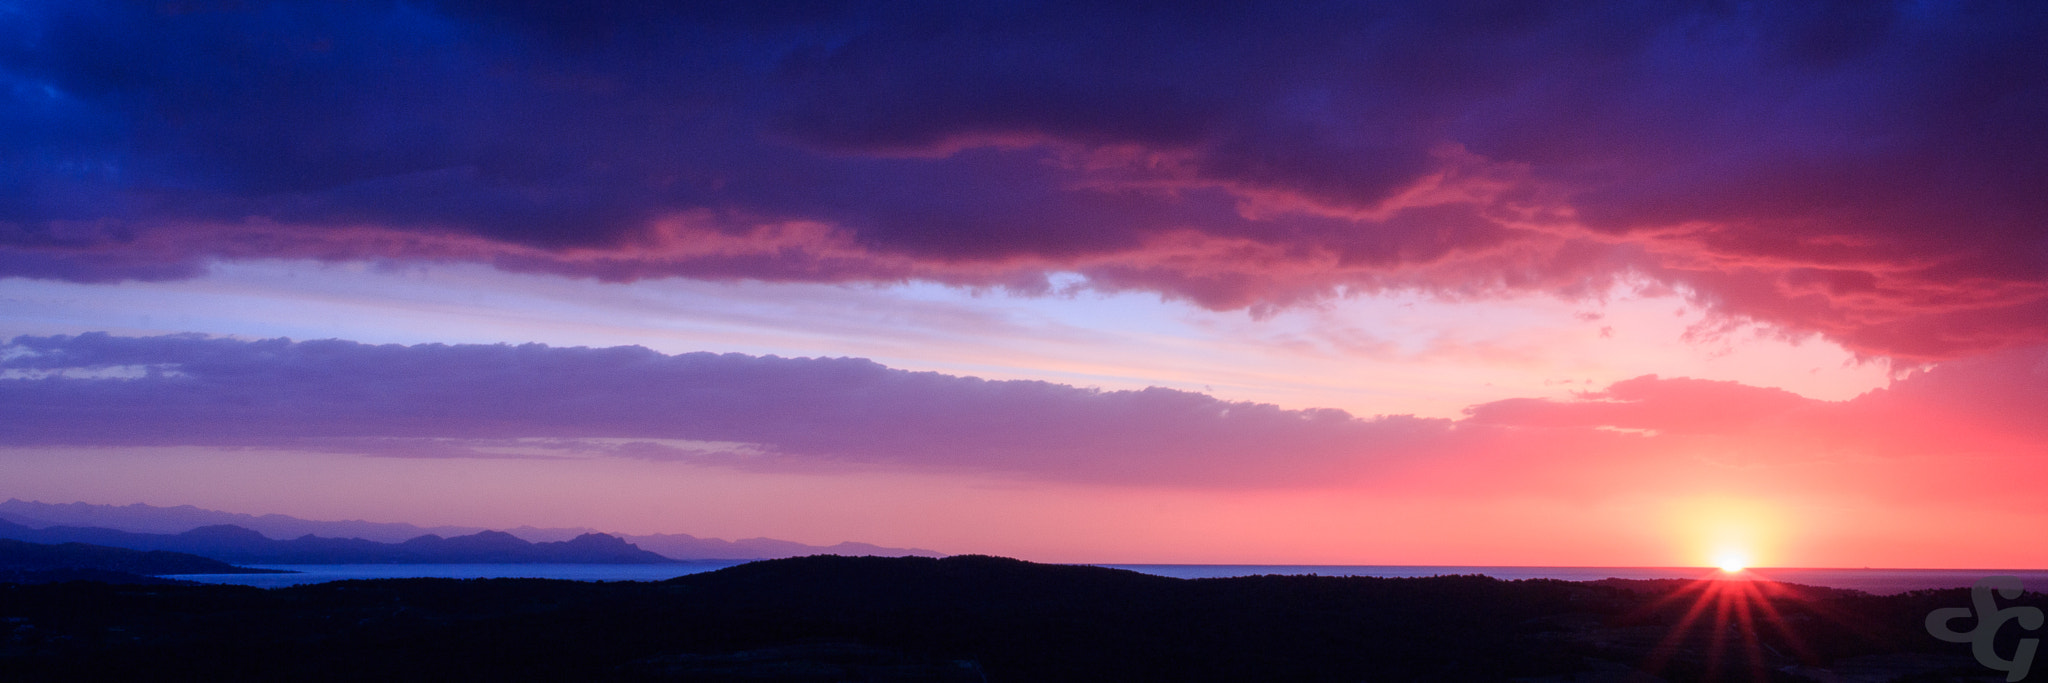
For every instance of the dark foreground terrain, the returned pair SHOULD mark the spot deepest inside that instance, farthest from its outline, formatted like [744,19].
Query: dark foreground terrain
[974,619]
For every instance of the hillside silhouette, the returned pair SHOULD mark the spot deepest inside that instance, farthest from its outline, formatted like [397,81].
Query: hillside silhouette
[23,562]
[968,618]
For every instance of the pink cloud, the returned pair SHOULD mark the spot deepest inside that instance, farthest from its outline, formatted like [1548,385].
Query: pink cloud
[783,414]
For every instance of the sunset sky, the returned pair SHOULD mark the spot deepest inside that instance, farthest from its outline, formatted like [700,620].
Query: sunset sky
[1449,283]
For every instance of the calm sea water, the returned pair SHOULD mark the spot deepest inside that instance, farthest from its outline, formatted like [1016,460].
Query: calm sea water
[1877,581]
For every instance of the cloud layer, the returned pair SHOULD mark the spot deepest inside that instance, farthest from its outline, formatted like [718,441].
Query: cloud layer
[811,414]
[736,410]
[1870,171]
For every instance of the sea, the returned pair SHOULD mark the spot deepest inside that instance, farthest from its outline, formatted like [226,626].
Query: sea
[1874,581]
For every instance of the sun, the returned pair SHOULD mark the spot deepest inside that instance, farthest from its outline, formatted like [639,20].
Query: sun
[1728,534]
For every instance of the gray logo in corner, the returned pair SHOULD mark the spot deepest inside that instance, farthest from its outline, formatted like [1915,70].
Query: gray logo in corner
[1990,618]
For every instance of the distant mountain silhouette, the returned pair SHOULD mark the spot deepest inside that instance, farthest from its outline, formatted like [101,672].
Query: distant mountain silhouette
[230,543]
[691,547]
[150,519]
[24,562]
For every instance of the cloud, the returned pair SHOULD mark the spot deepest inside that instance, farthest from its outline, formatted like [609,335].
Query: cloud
[1987,405]
[1869,171]
[733,410]
[1682,406]
[765,413]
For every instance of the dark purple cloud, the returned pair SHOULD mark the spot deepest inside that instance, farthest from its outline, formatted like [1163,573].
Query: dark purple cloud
[806,413]
[1877,172]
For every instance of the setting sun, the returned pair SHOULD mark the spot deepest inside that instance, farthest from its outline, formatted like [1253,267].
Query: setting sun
[1727,533]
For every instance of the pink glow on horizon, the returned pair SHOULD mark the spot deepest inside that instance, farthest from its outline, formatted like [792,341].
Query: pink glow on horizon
[1067,524]
[1799,492]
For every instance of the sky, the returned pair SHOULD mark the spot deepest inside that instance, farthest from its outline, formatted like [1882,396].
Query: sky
[1459,283]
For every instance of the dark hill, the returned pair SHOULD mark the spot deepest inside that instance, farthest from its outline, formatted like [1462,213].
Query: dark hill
[973,619]
[901,578]
[1111,624]
[42,576]
[19,556]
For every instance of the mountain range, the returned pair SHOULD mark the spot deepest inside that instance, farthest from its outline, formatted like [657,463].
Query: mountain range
[230,543]
[92,523]
[151,519]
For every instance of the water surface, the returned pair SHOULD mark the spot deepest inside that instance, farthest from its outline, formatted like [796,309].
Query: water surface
[1874,581]
[1877,581]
